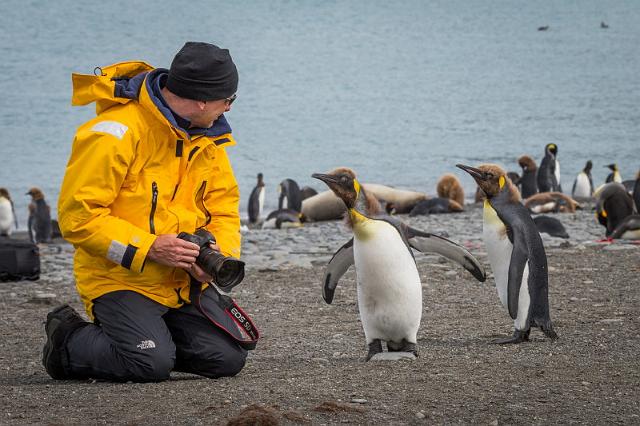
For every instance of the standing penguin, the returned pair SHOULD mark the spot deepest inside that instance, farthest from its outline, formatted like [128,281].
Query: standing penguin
[549,172]
[389,288]
[583,185]
[39,223]
[256,201]
[290,197]
[528,184]
[7,213]
[516,254]
[614,176]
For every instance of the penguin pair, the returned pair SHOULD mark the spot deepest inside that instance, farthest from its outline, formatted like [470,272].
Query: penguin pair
[516,253]
[7,213]
[583,185]
[39,223]
[388,284]
[548,177]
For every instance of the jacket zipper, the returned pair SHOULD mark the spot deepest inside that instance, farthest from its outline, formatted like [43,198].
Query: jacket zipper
[154,203]
[200,202]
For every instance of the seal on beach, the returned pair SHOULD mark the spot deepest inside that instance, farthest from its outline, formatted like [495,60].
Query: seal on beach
[550,225]
[583,185]
[516,253]
[613,205]
[449,187]
[628,229]
[7,213]
[614,176]
[435,205]
[548,177]
[39,223]
[398,201]
[389,287]
[528,185]
[289,195]
[551,202]
[256,200]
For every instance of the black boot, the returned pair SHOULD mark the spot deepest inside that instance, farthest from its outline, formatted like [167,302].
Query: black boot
[61,322]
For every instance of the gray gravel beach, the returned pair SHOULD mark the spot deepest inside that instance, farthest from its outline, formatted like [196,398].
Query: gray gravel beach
[309,365]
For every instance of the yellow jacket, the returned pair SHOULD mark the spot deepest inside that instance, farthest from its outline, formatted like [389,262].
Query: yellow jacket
[134,173]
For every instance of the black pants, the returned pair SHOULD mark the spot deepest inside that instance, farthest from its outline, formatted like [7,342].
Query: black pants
[141,340]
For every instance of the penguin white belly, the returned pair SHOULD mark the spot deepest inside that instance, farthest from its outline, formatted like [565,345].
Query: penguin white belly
[557,172]
[499,250]
[617,177]
[260,201]
[389,288]
[583,187]
[6,217]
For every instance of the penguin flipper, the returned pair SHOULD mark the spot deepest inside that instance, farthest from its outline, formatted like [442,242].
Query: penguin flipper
[338,265]
[519,258]
[425,243]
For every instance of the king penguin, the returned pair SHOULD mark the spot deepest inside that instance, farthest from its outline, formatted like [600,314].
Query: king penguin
[290,197]
[614,176]
[528,184]
[549,171]
[516,254]
[613,205]
[583,185]
[7,213]
[388,284]
[256,201]
[39,223]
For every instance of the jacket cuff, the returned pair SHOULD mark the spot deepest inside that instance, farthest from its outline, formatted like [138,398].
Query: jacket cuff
[140,248]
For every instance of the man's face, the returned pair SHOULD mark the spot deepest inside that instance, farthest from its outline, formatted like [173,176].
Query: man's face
[210,112]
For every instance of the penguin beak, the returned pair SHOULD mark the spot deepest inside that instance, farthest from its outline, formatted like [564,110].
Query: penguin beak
[328,179]
[477,174]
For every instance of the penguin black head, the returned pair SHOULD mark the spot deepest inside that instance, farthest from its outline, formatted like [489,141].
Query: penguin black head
[36,193]
[342,181]
[4,193]
[612,166]
[260,180]
[588,167]
[552,148]
[492,179]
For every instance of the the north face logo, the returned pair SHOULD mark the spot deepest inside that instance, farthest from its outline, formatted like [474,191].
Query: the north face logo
[146,344]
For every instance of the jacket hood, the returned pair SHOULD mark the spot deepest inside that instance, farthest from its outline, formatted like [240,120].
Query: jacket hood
[123,82]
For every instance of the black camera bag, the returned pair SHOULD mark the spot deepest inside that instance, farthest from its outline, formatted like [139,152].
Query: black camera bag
[19,260]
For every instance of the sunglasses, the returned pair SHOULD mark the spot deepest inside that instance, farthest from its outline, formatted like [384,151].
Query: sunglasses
[230,99]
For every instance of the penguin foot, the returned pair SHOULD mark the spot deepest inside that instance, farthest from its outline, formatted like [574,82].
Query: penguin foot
[519,336]
[548,331]
[404,346]
[375,347]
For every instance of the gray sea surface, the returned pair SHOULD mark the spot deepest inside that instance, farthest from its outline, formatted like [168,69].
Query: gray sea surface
[399,91]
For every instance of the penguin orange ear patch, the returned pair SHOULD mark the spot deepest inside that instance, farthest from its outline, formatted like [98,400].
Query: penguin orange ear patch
[501,181]
[356,186]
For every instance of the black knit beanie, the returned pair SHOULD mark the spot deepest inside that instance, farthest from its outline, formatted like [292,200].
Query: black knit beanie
[202,72]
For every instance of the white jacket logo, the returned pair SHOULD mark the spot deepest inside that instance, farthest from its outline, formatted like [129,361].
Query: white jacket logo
[146,344]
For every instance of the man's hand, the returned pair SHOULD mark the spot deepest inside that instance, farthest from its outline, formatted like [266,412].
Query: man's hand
[196,272]
[171,251]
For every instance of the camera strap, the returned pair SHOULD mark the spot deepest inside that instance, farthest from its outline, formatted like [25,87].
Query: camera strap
[225,314]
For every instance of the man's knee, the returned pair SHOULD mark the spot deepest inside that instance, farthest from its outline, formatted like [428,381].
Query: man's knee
[152,367]
[223,364]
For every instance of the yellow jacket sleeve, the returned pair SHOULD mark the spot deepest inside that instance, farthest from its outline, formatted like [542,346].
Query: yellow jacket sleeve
[101,155]
[222,201]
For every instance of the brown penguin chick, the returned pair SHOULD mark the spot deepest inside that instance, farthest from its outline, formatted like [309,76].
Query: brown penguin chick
[449,187]
[527,163]
[546,202]
[5,193]
[36,194]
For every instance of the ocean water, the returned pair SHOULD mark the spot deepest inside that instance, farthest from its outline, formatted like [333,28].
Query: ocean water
[400,92]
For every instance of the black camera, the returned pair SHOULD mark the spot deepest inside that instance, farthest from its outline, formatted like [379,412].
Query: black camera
[227,272]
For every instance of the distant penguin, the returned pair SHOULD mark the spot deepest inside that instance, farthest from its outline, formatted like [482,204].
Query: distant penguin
[282,218]
[551,202]
[516,254]
[548,177]
[256,201]
[515,178]
[583,185]
[636,193]
[289,195]
[613,205]
[435,205]
[603,25]
[543,28]
[7,213]
[550,225]
[628,229]
[39,223]
[614,176]
[449,187]
[528,185]
[307,192]
[388,284]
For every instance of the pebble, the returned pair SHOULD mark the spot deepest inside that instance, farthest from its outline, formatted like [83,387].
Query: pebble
[359,401]
[420,415]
